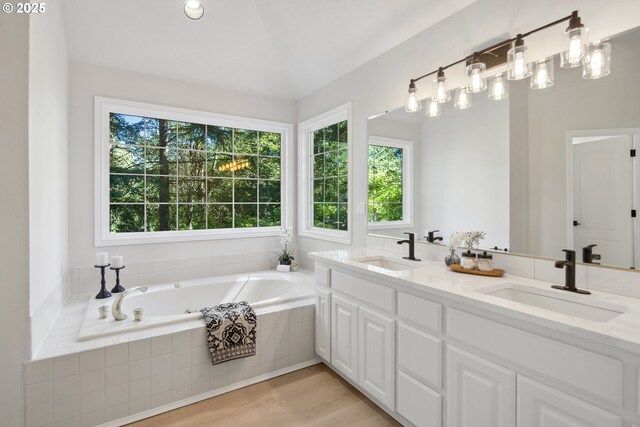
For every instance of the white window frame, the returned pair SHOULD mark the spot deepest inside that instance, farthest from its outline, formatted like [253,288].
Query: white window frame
[104,106]
[305,212]
[407,181]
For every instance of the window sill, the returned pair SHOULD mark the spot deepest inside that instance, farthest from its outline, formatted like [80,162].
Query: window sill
[387,225]
[119,239]
[330,235]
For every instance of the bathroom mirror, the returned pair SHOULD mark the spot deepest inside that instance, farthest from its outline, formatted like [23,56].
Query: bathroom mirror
[540,171]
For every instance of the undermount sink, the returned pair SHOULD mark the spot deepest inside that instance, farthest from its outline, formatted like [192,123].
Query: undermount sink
[582,306]
[386,263]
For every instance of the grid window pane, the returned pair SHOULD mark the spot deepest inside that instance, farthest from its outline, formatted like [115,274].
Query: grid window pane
[268,215]
[220,216]
[168,175]
[246,216]
[127,188]
[385,183]
[330,177]
[161,217]
[126,218]
[126,159]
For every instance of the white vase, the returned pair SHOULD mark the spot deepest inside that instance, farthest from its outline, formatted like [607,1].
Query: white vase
[283,268]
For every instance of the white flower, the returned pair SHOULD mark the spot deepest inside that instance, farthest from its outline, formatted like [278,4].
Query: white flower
[456,239]
[286,235]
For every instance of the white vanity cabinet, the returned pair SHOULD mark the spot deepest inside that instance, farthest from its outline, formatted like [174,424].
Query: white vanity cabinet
[418,356]
[480,393]
[542,406]
[377,355]
[344,336]
[419,363]
[323,323]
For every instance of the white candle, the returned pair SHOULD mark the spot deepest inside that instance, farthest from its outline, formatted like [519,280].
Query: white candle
[117,261]
[102,258]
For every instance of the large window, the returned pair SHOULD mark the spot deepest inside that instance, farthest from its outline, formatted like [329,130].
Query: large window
[324,170]
[330,177]
[174,174]
[389,182]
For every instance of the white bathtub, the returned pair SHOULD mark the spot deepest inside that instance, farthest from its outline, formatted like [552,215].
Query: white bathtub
[171,303]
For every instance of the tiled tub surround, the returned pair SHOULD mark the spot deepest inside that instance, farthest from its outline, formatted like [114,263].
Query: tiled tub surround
[133,376]
[610,280]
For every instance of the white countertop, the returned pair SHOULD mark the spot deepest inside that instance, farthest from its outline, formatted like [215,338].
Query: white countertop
[436,279]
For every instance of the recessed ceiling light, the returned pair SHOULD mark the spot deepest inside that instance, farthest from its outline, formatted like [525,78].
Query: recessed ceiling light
[193,9]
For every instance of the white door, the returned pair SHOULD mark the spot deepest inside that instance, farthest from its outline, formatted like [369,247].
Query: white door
[603,198]
[377,355]
[481,393]
[344,336]
[323,324]
[542,406]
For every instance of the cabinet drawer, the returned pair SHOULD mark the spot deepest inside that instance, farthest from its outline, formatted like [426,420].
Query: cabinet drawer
[420,355]
[376,295]
[420,312]
[323,275]
[598,375]
[417,402]
[539,405]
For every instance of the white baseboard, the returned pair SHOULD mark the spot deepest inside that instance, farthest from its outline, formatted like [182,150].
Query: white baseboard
[210,394]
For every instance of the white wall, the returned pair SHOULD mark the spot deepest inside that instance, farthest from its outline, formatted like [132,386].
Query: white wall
[14,214]
[381,84]
[48,144]
[465,171]
[88,81]
[406,132]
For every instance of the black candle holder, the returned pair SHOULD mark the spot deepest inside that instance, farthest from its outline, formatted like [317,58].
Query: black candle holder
[118,287]
[104,293]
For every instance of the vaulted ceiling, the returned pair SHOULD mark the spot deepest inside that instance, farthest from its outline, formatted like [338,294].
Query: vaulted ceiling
[279,48]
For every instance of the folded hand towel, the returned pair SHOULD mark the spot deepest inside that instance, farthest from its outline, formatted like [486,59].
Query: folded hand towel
[231,331]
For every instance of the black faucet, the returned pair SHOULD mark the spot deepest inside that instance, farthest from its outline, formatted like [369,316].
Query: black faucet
[412,247]
[569,264]
[431,238]
[588,256]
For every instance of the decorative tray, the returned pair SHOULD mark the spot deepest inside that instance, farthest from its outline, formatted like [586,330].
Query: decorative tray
[496,272]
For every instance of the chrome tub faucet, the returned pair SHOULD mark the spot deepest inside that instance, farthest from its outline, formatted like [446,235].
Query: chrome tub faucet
[116,308]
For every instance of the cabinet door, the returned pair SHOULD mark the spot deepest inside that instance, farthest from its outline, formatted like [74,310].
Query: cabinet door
[543,406]
[377,355]
[323,324]
[344,336]
[481,393]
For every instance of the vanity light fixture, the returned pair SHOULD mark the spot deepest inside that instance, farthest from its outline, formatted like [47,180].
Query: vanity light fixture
[577,35]
[193,9]
[517,64]
[440,92]
[498,88]
[595,59]
[433,108]
[475,69]
[462,99]
[597,62]
[412,103]
[542,77]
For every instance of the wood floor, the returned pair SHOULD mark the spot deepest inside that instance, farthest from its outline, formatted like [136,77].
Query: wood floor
[314,396]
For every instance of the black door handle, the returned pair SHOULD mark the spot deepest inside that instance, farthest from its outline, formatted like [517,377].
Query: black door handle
[576,223]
